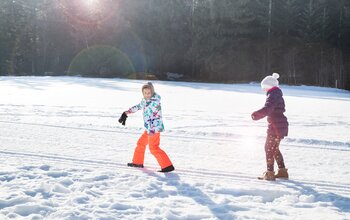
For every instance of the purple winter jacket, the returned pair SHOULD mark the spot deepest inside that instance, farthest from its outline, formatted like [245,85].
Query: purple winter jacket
[274,108]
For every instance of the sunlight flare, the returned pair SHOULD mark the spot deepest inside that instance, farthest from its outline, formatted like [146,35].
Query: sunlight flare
[91,3]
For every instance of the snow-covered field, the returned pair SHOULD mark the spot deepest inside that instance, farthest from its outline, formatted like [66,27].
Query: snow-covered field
[63,153]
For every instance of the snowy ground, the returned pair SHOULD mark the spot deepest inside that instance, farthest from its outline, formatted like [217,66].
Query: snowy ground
[63,153]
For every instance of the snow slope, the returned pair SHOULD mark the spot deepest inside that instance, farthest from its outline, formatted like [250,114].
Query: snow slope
[63,153]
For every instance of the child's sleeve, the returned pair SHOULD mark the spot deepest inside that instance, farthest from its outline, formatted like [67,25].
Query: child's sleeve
[136,107]
[266,110]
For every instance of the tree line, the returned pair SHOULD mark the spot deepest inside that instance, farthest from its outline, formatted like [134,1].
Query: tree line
[306,41]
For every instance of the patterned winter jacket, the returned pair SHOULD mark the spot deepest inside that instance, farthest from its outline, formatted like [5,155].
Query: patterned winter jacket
[274,108]
[152,114]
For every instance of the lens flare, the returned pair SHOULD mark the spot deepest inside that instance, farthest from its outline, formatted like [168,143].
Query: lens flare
[91,3]
[88,12]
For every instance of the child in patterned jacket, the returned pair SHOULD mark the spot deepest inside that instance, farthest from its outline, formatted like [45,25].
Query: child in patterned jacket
[153,123]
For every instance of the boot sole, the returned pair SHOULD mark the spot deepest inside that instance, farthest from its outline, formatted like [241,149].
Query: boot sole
[136,166]
[167,169]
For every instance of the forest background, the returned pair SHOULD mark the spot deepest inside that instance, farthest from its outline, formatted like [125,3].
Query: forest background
[228,41]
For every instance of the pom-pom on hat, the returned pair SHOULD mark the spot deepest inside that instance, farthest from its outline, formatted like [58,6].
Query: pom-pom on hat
[270,81]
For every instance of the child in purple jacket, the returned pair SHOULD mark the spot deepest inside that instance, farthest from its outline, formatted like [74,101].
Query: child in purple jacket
[277,127]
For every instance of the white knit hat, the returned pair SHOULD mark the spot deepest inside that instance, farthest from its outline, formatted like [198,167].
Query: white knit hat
[270,81]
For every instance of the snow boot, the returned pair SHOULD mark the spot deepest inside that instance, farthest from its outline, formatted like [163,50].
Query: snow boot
[282,173]
[268,175]
[167,169]
[135,165]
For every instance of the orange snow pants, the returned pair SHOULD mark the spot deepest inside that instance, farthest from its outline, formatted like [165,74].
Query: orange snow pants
[153,142]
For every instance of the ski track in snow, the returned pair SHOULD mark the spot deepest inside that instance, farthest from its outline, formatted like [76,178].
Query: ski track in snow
[330,145]
[67,160]
[193,173]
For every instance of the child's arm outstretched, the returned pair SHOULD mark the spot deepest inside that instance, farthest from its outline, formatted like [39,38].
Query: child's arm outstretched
[266,110]
[135,108]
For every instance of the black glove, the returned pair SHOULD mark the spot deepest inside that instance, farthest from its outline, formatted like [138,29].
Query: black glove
[122,118]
